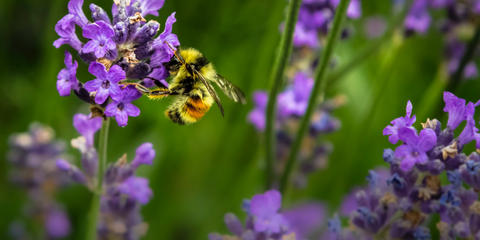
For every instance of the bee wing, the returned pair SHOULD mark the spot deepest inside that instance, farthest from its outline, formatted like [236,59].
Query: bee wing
[232,91]
[210,90]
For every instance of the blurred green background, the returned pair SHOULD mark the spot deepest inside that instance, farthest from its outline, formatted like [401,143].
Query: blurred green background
[204,170]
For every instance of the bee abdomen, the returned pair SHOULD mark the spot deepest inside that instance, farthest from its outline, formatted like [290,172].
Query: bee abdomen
[175,115]
[195,108]
[187,110]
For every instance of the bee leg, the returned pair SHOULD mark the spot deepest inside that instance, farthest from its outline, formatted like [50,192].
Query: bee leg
[159,84]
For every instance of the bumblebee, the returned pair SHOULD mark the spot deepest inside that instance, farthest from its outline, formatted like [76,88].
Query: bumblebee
[191,86]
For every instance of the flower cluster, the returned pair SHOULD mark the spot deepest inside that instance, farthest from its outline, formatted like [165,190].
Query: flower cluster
[400,203]
[33,155]
[461,17]
[266,221]
[123,192]
[315,17]
[124,46]
[292,104]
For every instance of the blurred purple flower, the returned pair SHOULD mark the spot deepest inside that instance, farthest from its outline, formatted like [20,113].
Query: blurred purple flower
[375,27]
[304,36]
[105,84]
[57,224]
[87,126]
[418,19]
[66,78]
[144,155]
[304,219]
[137,188]
[294,100]
[257,115]
[264,208]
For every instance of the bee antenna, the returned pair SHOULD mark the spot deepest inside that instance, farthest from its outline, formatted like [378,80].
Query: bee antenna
[175,52]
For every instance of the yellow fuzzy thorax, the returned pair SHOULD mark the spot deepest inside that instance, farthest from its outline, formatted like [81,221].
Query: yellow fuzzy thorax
[190,55]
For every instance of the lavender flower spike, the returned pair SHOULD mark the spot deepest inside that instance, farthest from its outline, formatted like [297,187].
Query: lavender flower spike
[87,126]
[66,78]
[415,147]
[399,123]
[101,34]
[264,208]
[122,107]
[106,82]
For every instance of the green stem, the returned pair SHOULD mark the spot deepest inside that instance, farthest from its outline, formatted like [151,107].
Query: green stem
[433,93]
[317,93]
[466,58]
[283,55]
[102,162]
[371,49]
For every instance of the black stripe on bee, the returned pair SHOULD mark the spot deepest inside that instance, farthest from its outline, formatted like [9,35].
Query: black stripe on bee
[189,105]
[187,84]
[174,115]
[201,62]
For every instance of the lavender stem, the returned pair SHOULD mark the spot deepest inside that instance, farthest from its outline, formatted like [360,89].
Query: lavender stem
[102,162]
[283,55]
[317,91]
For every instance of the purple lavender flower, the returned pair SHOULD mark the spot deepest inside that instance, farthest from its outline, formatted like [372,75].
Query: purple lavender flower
[354,8]
[137,188]
[33,155]
[144,155]
[257,115]
[305,219]
[75,9]
[87,126]
[314,19]
[66,78]
[101,34]
[264,208]
[122,108]
[57,224]
[399,123]
[456,109]
[304,36]
[264,220]
[149,6]
[470,132]
[121,47]
[415,147]
[294,101]
[123,192]
[65,28]
[162,52]
[105,84]
[418,19]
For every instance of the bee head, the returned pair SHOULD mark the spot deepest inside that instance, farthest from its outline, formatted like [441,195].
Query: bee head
[172,66]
